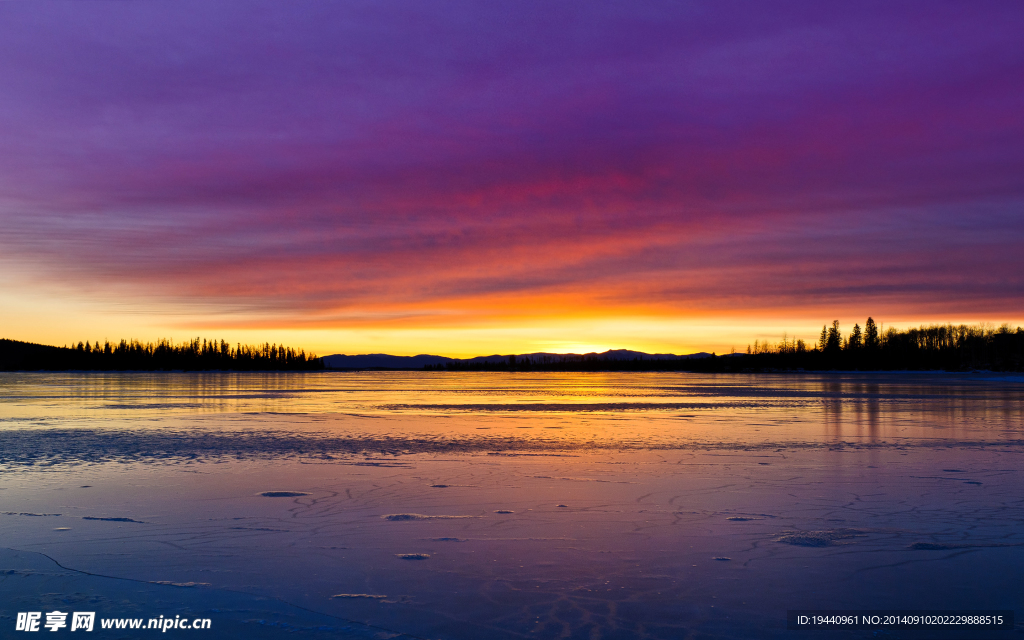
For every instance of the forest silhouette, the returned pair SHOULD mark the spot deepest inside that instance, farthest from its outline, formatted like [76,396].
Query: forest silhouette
[927,348]
[935,347]
[163,355]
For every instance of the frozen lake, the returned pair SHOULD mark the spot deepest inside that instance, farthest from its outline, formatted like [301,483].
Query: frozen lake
[478,505]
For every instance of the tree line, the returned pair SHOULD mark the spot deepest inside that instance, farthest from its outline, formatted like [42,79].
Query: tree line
[163,355]
[934,347]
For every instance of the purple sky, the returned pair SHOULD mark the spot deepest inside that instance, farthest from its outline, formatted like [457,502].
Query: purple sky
[361,166]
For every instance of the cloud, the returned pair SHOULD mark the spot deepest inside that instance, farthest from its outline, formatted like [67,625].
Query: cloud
[377,162]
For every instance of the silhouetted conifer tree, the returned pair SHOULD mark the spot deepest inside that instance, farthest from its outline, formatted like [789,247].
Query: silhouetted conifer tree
[834,341]
[870,335]
[856,341]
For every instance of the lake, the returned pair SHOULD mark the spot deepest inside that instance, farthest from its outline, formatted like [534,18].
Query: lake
[509,505]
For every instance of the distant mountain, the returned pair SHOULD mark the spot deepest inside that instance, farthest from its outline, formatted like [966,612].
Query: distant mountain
[385,361]
[382,361]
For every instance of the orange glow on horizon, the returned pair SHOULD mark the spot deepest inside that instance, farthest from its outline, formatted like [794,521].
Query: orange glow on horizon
[545,325]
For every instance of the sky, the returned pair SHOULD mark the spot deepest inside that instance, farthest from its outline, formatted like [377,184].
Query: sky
[467,178]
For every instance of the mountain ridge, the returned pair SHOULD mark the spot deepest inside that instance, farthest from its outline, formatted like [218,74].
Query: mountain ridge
[387,361]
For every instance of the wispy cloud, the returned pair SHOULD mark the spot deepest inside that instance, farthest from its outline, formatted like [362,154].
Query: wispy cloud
[344,164]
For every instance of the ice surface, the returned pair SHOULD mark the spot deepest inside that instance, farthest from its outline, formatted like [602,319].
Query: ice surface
[369,506]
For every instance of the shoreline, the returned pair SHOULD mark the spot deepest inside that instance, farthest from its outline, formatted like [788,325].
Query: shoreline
[528,371]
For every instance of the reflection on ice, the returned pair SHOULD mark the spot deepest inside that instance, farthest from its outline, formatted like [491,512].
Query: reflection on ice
[370,506]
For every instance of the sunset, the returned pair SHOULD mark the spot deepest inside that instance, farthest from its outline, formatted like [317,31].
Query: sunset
[499,320]
[471,179]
